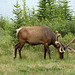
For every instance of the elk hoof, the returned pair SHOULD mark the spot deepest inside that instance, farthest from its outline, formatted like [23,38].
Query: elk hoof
[20,57]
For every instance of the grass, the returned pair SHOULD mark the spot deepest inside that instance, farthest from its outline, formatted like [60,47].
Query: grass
[33,64]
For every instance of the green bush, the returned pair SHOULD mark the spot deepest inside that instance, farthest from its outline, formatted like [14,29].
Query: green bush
[67,38]
[71,25]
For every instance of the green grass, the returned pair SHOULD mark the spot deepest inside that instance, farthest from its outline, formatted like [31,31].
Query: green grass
[33,63]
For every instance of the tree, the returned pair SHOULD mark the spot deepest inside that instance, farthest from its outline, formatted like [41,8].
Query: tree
[46,9]
[4,23]
[50,9]
[41,11]
[18,15]
[17,21]
[24,13]
[64,10]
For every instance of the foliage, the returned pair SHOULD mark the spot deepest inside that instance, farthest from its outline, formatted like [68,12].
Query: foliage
[52,9]
[4,23]
[64,11]
[5,43]
[46,9]
[63,26]
[42,9]
[71,25]
[18,15]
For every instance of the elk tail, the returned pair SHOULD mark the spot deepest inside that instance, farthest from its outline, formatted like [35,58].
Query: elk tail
[17,30]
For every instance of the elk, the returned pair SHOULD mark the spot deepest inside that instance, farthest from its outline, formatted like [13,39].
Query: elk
[35,35]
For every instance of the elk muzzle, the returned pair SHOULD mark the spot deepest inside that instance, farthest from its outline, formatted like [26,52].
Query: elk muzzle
[61,55]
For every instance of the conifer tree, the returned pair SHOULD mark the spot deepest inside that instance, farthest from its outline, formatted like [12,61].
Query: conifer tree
[46,9]
[18,15]
[64,10]
[50,9]
[42,8]
[17,21]
[24,13]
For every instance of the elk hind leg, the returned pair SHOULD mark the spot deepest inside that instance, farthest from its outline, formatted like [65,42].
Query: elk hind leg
[16,47]
[21,46]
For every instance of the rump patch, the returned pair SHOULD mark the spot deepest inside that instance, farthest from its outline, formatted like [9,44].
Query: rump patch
[18,30]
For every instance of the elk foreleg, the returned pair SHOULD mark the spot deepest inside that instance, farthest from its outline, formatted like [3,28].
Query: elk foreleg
[49,53]
[47,48]
[45,52]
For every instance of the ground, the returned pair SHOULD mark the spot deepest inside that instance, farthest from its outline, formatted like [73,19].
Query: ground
[33,63]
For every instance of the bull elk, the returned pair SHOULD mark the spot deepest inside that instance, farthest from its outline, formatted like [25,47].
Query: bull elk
[35,35]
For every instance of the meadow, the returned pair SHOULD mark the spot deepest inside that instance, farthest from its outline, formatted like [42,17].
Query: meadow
[33,63]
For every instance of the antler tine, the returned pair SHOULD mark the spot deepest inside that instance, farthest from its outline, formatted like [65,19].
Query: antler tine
[73,41]
[57,35]
[71,49]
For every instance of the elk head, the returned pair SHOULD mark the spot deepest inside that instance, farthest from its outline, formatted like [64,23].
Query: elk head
[59,44]
[61,48]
